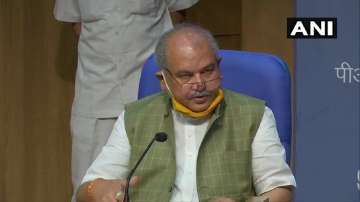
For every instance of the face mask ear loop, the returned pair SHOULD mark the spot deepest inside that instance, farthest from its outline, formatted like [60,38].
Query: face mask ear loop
[167,86]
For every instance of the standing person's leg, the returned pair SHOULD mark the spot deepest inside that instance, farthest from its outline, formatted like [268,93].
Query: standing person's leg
[89,135]
[103,129]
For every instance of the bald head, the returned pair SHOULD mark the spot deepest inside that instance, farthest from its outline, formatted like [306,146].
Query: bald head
[182,39]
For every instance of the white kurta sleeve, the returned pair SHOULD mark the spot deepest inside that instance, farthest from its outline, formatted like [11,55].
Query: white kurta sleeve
[175,5]
[67,10]
[270,169]
[113,160]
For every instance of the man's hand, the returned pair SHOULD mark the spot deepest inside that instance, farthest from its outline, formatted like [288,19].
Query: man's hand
[279,194]
[77,28]
[259,199]
[178,17]
[102,190]
[253,199]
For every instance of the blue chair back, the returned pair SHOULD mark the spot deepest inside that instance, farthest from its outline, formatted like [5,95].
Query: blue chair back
[259,75]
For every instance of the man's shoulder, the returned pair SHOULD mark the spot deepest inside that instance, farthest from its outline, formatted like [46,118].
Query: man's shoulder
[236,97]
[148,101]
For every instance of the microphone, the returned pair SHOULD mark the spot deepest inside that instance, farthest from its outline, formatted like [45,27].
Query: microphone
[159,137]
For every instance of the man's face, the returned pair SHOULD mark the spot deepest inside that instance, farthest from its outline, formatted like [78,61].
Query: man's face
[193,74]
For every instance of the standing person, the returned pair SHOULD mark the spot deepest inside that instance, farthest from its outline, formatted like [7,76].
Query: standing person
[115,38]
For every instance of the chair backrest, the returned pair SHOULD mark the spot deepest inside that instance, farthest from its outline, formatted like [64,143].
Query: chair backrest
[259,75]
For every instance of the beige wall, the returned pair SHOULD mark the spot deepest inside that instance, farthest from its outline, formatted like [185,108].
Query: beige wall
[251,25]
[11,95]
[37,65]
[36,87]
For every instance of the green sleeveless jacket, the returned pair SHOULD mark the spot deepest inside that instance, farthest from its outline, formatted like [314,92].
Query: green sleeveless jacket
[224,159]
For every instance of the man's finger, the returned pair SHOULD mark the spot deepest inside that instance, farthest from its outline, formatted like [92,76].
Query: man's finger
[121,184]
[134,181]
[119,196]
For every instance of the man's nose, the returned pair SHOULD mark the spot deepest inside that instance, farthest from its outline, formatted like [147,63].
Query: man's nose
[198,83]
[197,78]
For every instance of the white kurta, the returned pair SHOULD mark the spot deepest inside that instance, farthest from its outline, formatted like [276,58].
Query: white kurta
[117,36]
[269,167]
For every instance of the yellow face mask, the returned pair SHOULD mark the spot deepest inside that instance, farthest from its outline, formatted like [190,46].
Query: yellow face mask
[183,109]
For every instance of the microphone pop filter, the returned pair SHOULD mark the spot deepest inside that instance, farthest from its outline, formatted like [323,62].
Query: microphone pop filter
[161,137]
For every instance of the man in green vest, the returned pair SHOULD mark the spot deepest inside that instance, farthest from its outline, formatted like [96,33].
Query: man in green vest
[222,146]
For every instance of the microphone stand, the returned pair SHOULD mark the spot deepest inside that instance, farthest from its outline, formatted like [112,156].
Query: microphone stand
[160,137]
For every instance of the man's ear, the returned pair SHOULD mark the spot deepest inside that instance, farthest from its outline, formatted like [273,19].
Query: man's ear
[161,79]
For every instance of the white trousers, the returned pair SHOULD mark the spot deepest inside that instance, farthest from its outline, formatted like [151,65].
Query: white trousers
[89,135]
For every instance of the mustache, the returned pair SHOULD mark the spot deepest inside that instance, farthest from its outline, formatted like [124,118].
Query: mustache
[200,94]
